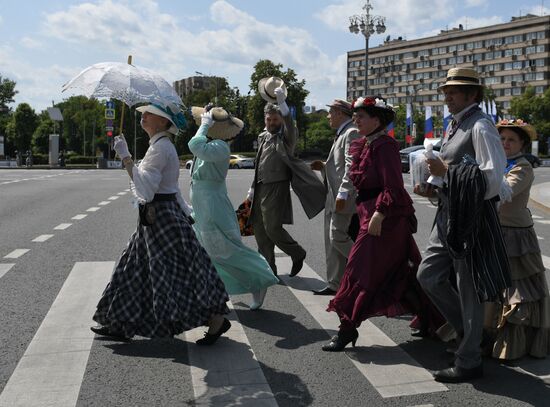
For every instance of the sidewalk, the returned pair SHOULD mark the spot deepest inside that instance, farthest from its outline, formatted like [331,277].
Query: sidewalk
[540,195]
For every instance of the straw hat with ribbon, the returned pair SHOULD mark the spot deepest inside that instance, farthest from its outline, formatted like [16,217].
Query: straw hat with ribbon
[461,77]
[518,124]
[225,127]
[267,86]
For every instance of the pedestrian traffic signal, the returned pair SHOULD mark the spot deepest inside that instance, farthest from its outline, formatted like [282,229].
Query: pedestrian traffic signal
[109,134]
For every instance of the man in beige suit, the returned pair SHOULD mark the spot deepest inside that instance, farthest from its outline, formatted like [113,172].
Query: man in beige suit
[340,198]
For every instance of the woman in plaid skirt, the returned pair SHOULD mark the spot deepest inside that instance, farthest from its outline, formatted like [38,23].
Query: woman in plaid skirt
[164,282]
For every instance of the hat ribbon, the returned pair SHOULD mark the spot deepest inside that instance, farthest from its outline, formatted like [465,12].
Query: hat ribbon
[462,78]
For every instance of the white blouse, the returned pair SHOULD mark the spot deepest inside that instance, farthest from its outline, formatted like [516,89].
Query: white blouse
[158,172]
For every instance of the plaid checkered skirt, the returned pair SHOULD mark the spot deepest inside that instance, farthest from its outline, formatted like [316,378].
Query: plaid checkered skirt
[164,282]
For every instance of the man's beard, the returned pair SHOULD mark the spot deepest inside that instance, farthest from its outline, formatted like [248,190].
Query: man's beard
[273,129]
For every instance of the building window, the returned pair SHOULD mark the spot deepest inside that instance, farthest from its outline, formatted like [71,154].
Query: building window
[539,76]
[452,61]
[518,65]
[508,78]
[435,51]
[442,50]
[506,104]
[539,89]
[498,54]
[540,62]
[517,51]
[508,40]
[507,92]
[478,44]
[530,50]
[489,55]
[460,47]
[478,57]
[530,36]
[407,55]
[541,48]
[460,59]
[516,91]
[507,66]
[518,38]
[423,53]
[518,78]
[470,46]
[498,41]
[452,48]
[541,35]
[508,53]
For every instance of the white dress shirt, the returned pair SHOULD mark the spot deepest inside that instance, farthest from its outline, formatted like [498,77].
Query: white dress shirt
[159,171]
[489,153]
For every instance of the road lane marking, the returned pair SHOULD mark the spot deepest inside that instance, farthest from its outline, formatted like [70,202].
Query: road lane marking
[79,217]
[50,372]
[103,203]
[122,193]
[544,222]
[42,238]
[63,226]
[113,198]
[390,370]
[228,373]
[5,267]
[540,237]
[93,209]
[546,261]
[536,217]
[16,253]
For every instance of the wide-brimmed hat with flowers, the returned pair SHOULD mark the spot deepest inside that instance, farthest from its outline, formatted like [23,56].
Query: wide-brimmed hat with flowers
[225,127]
[369,102]
[267,86]
[171,112]
[461,77]
[519,124]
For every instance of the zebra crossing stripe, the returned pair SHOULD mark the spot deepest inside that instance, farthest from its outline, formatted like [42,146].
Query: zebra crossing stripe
[234,374]
[5,267]
[50,372]
[391,371]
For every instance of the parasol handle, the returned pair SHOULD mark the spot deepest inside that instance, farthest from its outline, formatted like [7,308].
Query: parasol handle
[122,112]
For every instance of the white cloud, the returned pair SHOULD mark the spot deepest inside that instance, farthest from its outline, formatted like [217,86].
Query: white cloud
[161,42]
[403,17]
[475,3]
[30,43]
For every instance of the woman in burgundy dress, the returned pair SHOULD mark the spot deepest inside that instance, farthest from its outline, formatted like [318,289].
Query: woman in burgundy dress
[380,276]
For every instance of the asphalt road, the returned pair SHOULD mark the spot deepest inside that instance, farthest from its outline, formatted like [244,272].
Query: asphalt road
[284,338]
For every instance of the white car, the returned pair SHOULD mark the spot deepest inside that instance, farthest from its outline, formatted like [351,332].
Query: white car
[240,161]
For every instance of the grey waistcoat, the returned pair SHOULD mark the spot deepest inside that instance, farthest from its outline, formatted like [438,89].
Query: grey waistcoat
[461,143]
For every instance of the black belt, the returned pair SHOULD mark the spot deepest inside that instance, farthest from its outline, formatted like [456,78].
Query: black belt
[367,194]
[164,197]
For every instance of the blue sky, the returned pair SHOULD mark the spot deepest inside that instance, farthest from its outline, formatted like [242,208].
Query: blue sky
[45,43]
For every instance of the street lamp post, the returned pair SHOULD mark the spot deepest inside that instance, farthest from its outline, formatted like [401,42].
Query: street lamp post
[367,24]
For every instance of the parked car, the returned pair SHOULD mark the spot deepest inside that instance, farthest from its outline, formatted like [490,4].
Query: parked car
[240,161]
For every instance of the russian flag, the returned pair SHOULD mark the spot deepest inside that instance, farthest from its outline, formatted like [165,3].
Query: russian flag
[429,124]
[390,130]
[446,119]
[494,111]
[408,138]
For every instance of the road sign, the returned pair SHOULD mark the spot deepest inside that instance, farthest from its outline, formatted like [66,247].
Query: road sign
[109,105]
[109,128]
[109,123]
[109,113]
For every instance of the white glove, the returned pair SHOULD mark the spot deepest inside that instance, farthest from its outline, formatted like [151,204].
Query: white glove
[206,118]
[121,147]
[280,96]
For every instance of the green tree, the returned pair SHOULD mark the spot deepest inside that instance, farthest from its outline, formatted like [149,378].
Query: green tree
[7,93]
[21,127]
[534,110]
[319,135]
[41,136]
[296,95]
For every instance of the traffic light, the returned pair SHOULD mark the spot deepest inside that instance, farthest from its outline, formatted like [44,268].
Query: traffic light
[109,134]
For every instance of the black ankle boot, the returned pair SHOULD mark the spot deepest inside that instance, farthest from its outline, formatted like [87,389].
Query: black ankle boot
[210,339]
[340,341]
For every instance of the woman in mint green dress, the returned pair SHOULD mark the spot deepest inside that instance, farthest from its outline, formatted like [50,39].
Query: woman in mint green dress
[242,269]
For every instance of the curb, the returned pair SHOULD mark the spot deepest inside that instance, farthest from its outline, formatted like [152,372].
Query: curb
[536,198]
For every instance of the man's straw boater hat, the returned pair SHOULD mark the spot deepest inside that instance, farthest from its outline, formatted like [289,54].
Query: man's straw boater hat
[267,86]
[225,127]
[518,124]
[342,105]
[461,77]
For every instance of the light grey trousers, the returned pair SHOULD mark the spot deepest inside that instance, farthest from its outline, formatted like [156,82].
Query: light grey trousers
[460,306]
[337,246]
[269,206]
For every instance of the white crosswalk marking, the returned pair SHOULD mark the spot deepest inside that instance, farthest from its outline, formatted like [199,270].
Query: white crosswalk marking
[16,253]
[536,217]
[93,209]
[103,203]
[543,221]
[42,238]
[546,261]
[234,374]
[51,370]
[113,198]
[63,226]
[391,371]
[5,267]
[122,193]
[79,217]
